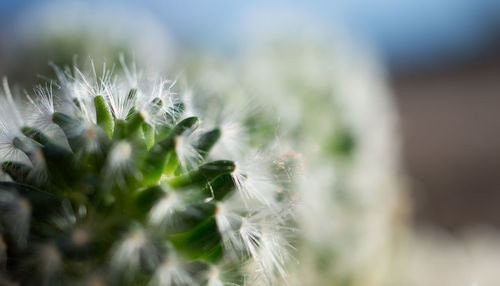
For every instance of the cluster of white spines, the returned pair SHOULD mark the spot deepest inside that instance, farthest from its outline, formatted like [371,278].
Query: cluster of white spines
[11,121]
[251,221]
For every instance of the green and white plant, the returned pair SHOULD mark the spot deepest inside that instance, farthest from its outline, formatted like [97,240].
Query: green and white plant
[112,179]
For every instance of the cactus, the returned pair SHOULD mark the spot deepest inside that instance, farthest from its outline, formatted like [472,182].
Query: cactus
[110,180]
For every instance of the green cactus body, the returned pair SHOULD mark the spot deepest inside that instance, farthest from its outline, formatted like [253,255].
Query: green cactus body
[109,183]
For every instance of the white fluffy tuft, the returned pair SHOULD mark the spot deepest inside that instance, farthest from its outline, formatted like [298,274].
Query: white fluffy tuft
[161,213]
[253,181]
[171,272]
[134,248]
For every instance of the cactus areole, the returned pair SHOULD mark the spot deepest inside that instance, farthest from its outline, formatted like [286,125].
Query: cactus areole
[110,180]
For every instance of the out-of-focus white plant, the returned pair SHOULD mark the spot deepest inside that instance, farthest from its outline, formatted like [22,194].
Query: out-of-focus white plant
[346,127]
[332,100]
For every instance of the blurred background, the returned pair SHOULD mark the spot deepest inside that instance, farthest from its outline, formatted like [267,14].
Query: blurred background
[438,58]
